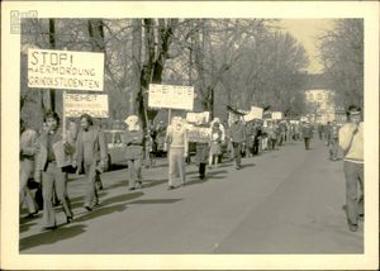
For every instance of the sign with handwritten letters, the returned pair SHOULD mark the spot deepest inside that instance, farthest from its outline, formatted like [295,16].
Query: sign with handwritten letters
[171,97]
[198,134]
[255,113]
[62,69]
[93,104]
[198,118]
[277,115]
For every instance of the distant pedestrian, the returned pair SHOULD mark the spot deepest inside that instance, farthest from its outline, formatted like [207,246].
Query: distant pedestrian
[160,132]
[238,139]
[176,138]
[320,131]
[92,156]
[53,155]
[202,158]
[149,161]
[307,133]
[333,141]
[328,133]
[351,142]
[133,138]
[272,135]
[216,140]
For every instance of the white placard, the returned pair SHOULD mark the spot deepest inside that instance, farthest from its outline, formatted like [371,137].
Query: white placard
[77,104]
[255,113]
[198,134]
[61,69]
[171,97]
[276,115]
[198,118]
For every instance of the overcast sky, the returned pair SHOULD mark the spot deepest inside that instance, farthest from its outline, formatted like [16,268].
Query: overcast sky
[306,31]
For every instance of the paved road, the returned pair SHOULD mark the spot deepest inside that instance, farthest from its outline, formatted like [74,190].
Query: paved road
[286,201]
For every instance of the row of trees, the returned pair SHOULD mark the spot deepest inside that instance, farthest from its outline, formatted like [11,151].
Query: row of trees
[238,62]
[342,52]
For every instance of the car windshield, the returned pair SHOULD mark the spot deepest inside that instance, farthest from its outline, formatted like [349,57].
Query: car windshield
[113,136]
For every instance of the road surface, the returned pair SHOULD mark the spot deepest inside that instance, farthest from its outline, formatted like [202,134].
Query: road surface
[285,201]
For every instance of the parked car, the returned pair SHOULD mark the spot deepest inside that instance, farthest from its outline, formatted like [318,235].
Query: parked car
[115,147]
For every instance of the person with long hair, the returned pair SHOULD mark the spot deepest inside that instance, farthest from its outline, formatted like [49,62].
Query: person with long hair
[92,155]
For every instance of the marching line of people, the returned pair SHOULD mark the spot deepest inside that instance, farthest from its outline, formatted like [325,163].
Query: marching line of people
[49,156]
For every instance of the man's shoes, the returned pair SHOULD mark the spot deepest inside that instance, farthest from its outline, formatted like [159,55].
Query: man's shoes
[132,188]
[50,227]
[171,187]
[88,208]
[69,219]
[238,167]
[352,227]
[32,215]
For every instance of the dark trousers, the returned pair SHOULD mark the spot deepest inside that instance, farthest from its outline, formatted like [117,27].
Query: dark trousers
[307,143]
[237,152]
[202,170]
[354,176]
[272,143]
[255,150]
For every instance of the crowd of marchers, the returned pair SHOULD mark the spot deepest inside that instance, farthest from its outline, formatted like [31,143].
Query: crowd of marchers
[49,155]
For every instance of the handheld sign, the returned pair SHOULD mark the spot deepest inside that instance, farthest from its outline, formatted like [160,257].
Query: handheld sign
[277,115]
[255,113]
[198,134]
[61,69]
[171,97]
[198,118]
[77,104]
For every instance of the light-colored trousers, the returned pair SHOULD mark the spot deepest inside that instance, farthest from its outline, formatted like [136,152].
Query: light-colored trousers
[176,165]
[54,177]
[354,175]
[91,197]
[26,171]
[134,172]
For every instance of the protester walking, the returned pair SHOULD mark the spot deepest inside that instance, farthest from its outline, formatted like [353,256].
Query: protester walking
[133,138]
[53,155]
[176,138]
[333,141]
[92,156]
[238,139]
[307,133]
[351,142]
[216,139]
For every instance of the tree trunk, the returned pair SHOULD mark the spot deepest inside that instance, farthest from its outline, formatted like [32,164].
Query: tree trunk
[133,95]
[51,93]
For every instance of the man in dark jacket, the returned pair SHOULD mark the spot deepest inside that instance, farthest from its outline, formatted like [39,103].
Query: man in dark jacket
[307,132]
[238,138]
[92,155]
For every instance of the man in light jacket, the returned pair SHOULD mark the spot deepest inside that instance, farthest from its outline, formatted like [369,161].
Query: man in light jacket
[351,142]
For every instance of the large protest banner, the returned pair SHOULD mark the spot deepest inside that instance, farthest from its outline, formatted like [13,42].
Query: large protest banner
[255,113]
[171,97]
[198,118]
[77,104]
[277,115]
[198,134]
[61,69]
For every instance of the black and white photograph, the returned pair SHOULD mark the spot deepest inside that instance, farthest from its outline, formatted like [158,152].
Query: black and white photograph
[191,134]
